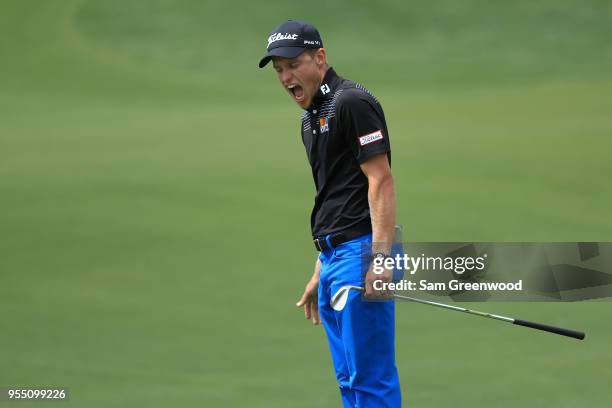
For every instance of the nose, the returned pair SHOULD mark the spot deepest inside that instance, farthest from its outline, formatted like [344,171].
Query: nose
[285,77]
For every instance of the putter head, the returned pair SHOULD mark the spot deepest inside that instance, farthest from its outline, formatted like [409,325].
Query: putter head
[339,299]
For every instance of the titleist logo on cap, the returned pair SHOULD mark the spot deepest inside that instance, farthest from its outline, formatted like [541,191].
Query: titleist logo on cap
[290,39]
[280,36]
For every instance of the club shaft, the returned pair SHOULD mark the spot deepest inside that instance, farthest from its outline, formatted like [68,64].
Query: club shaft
[456,308]
[525,323]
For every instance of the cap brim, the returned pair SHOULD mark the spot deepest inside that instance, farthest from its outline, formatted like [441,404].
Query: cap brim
[285,52]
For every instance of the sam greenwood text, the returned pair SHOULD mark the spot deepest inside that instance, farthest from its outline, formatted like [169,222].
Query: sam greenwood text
[450,285]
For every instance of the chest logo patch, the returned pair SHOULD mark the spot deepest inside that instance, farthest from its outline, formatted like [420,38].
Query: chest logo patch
[370,137]
[324,124]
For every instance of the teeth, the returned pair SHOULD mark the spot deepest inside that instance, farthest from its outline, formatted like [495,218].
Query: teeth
[291,86]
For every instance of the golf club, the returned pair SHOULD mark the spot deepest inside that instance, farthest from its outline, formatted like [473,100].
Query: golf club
[338,302]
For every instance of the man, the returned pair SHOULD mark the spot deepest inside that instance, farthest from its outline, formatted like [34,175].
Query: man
[347,144]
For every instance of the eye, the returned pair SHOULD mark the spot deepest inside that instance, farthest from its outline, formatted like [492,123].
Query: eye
[294,64]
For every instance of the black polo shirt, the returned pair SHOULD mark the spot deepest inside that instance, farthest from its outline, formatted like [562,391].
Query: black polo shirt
[343,128]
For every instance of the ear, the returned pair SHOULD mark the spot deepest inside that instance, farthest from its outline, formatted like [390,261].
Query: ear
[320,57]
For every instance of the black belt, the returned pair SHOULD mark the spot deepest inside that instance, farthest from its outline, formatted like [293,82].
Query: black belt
[336,239]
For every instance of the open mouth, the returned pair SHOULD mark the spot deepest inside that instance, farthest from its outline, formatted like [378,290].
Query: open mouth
[297,92]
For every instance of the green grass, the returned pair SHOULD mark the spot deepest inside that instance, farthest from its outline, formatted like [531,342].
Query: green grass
[148,170]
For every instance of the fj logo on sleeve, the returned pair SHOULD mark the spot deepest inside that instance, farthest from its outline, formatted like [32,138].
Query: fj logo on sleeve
[325,89]
[370,137]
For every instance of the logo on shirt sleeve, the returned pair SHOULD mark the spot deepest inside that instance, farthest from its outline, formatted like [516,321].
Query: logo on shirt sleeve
[324,124]
[370,137]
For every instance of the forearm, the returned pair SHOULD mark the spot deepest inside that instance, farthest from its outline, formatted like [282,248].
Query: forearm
[381,197]
[317,270]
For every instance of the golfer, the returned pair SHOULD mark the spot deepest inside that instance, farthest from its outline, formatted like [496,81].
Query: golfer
[347,144]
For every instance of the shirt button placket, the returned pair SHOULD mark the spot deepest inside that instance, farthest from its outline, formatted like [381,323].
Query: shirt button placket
[313,122]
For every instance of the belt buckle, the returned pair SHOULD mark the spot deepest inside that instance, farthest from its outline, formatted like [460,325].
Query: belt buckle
[317,244]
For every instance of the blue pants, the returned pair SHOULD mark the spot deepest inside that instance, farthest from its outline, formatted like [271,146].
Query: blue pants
[362,336]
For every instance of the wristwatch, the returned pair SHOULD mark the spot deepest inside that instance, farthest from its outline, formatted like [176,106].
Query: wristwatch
[381,256]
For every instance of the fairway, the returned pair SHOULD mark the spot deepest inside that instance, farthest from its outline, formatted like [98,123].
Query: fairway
[155,195]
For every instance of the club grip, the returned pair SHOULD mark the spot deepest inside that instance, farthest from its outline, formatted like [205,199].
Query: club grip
[552,329]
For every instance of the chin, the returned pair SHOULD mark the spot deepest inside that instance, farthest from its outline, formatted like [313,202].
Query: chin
[304,104]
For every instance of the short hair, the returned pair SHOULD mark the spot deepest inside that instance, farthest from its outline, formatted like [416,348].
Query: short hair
[312,52]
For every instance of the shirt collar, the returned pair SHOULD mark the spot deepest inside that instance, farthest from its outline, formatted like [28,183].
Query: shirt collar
[327,87]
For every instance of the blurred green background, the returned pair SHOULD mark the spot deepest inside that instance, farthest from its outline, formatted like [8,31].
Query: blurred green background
[155,194]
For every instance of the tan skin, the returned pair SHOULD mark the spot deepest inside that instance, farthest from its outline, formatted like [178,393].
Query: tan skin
[305,71]
[301,78]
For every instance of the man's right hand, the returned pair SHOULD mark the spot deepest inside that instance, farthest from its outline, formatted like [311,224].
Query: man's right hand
[310,298]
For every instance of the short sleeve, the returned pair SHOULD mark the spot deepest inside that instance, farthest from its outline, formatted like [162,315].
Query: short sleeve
[363,124]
